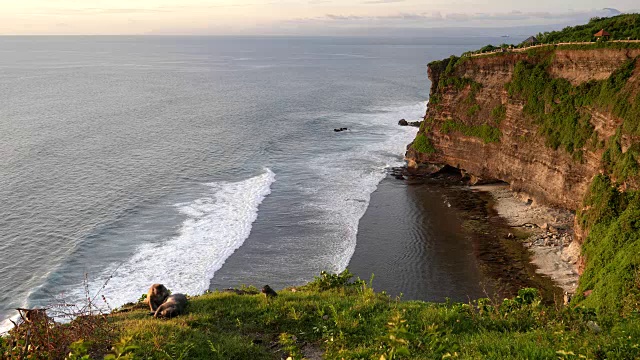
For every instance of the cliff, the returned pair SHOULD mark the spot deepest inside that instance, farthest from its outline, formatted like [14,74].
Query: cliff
[561,125]
[475,124]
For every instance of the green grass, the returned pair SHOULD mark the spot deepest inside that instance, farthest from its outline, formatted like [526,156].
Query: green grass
[348,320]
[345,319]
[485,132]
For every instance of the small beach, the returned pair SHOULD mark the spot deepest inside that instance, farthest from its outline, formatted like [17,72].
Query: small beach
[411,239]
[438,239]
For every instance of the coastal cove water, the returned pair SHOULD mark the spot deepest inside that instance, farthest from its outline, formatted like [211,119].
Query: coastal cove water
[136,160]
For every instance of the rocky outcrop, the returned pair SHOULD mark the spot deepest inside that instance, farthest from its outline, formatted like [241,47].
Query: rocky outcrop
[404,122]
[460,115]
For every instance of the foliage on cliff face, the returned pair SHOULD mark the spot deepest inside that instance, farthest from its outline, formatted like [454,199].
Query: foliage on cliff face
[499,113]
[447,78]
[620,27]
[612,249]
[423,145]
[485,132]
[561,110]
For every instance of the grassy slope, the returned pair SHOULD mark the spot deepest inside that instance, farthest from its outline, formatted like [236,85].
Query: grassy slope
[338,319]
[353,322]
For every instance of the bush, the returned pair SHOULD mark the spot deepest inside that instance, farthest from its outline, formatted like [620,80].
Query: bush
[499,113]
[487,133]
[423,145]
[327,281]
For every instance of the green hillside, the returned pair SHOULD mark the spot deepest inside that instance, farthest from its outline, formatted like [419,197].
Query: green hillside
[337,318]
[621,27]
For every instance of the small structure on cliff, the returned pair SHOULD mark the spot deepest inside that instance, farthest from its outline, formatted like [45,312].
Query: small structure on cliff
[602,35]
[532,40]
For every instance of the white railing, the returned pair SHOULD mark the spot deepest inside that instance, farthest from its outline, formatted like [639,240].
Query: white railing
[505,50]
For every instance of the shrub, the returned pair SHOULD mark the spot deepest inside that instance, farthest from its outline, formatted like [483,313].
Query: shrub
[499,113]
[327,281]
[423,145]
[487,133]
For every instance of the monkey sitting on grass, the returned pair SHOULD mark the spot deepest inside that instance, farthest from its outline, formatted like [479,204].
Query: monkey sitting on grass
[156,295]
[269,292]
[173,306]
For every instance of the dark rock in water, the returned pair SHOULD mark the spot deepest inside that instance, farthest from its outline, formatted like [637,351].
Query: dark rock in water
[404,122]
[341,129]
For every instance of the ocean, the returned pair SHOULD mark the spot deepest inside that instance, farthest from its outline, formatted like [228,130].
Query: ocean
[127,161]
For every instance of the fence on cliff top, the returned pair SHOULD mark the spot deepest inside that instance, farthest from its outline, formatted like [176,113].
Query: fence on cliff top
[518,50]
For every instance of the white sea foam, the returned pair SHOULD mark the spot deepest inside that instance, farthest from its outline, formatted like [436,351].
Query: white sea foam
[349,177]
[215,227]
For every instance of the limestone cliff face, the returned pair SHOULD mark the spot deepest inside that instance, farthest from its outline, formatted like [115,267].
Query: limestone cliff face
[520,156]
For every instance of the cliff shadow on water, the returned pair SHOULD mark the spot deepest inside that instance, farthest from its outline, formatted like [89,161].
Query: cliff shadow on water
[434,238]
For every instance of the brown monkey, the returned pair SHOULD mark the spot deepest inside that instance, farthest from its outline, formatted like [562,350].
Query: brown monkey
[156,296]
[269,292]
[174,306]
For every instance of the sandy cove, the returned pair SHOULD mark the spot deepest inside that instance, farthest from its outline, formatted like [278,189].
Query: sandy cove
[550,242]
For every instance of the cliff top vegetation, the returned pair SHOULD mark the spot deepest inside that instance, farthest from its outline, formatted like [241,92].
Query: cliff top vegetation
[621,27]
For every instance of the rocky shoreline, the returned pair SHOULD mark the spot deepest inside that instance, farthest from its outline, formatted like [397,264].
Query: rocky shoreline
[519,243]
[551,233]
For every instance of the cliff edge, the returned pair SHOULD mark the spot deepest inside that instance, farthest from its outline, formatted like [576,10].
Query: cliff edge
[560,124]
[478,119]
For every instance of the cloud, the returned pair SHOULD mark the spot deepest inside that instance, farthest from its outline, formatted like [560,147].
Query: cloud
[459,17]
[382,1]
[343,17]
[613,11]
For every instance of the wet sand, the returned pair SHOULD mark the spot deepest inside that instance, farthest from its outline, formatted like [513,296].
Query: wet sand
[412,239]
[432,240]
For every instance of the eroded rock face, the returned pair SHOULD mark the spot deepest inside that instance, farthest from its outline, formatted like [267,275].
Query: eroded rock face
[521,157]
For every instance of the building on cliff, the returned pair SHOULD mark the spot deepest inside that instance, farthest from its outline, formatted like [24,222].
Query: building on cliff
[602,35]
[532,40]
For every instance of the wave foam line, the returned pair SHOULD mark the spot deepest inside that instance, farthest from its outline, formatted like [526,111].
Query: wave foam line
[351,176]
[215,228]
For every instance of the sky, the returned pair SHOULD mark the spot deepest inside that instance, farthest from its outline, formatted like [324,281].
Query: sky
[288,17]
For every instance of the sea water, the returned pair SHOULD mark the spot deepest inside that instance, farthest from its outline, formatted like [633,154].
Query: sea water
[126,161]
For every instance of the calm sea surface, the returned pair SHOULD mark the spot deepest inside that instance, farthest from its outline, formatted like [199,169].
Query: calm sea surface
[126,161]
